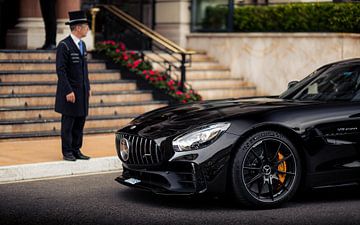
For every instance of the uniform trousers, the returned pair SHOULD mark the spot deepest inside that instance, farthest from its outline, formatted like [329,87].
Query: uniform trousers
[71,134]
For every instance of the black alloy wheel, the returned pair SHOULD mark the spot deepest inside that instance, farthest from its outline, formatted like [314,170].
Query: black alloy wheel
[266,170]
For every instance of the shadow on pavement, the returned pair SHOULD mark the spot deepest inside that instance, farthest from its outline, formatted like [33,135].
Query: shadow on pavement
[204,201]
[216,202]
[329,195]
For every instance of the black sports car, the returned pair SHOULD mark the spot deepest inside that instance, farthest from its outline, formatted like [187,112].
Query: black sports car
[261,149]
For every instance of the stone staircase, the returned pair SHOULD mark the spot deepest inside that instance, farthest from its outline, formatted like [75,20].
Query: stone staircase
[28,84]
[211,79]
[27,95]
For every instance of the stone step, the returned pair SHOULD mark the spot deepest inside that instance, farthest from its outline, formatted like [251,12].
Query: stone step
[161,57]
[44,55]
[28,55]
[207,74]
[50,87]
[206,66]
[217,84]
[38,100]
[44,76]
[24,136]
[47,125]
[12,65]
[202,74]
[28,113]
[208,94]
[195,66]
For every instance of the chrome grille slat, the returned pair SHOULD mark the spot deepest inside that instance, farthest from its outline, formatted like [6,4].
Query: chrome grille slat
[136,152]
[133,146]
[141,151]
[139,146]
[156,153]
[151,156]
[149,152]
[145,152]
[132,157]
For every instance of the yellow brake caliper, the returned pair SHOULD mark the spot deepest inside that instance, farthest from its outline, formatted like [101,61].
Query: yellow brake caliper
[282,168]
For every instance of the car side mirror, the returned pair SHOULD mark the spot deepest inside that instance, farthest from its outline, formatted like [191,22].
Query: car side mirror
[292,83]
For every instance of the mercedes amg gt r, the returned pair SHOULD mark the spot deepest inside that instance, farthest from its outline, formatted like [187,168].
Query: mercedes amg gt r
[260,149]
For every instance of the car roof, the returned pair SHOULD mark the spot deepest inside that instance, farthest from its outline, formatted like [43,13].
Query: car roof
[345,61]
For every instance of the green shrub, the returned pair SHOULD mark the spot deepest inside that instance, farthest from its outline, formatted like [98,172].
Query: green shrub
[297,17]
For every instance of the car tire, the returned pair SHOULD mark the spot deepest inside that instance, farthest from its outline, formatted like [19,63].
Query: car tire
[266,170]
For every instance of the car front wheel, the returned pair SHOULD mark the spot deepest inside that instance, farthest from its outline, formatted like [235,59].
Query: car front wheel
[266,170]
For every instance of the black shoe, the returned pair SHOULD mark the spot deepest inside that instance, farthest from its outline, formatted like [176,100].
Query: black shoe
[79,155]
[69,158]
[47,47]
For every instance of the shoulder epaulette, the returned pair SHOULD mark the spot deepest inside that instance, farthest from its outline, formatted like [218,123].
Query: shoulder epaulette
[63,42]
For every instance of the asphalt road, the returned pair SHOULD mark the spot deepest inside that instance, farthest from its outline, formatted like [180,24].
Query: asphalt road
[98,199]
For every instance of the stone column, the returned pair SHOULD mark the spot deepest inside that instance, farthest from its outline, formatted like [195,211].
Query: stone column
[29,33]
[173,19]
[62,9]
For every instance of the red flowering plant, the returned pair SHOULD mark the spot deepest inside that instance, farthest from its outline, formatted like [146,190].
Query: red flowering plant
[132,60]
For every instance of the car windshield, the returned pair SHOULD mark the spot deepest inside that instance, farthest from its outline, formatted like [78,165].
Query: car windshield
[330,83]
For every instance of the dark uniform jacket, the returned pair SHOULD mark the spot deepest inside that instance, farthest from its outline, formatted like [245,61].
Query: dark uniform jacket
[72,72]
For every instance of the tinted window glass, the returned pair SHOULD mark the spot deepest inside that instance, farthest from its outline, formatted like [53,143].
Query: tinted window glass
[291,92]
[339,83]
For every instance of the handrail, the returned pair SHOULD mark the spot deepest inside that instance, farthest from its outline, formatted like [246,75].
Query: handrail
[147,31]
[158,38]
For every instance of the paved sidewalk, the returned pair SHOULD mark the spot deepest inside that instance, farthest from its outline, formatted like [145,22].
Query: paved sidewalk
[40,158]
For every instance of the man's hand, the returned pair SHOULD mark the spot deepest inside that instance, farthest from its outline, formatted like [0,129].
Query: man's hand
[70,97]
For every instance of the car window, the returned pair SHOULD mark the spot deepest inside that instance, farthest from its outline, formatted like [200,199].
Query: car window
[335,84]
[291,92]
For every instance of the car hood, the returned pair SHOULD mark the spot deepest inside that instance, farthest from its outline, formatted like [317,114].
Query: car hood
[174,120]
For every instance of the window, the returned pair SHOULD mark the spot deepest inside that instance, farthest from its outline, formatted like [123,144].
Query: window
[209,15]
[339,83]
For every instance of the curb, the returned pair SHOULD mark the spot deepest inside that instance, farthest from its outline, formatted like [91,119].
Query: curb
[58,168]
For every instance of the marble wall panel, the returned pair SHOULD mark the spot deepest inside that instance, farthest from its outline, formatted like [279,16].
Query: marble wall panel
[271,60]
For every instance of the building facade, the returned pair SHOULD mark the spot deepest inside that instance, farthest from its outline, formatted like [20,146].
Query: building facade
[22,26]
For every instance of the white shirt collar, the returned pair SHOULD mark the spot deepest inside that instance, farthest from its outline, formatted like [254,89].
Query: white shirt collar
[76,40]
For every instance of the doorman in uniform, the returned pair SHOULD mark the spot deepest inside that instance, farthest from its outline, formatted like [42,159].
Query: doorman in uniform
[73,87]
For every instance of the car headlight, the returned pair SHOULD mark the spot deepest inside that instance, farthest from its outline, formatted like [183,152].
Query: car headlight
[200,138]
[124,149]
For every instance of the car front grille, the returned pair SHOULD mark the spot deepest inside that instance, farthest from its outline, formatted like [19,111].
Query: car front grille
[143,151]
